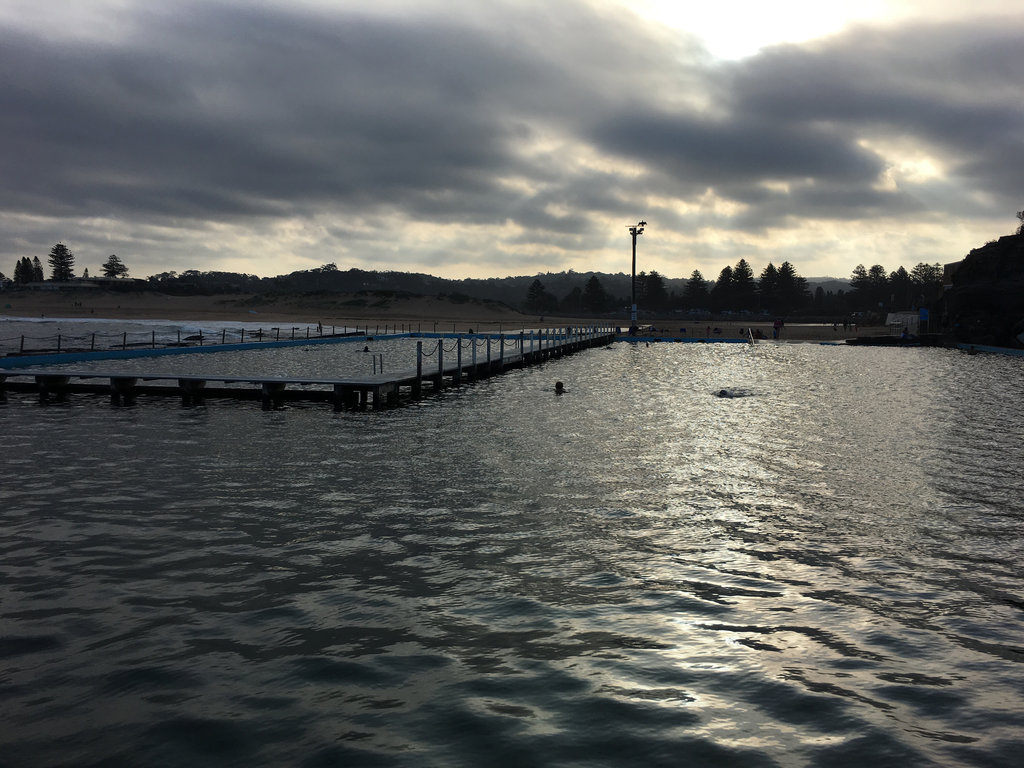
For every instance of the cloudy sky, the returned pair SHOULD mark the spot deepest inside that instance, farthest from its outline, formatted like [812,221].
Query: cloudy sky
[484,138]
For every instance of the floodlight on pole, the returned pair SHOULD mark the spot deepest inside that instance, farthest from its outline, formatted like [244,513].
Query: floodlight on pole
[634,230]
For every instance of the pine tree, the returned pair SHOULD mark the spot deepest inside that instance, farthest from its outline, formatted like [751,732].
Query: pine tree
[595,298]
[37,270]
[878,281]
[695,294]
[860,283]
[572,302]
[539,299]
[768,287]
[744,287]
[792,289]
[723,291]
[114,267]
[23,271]
[62,263]
[900,289]
[654,292]
[927,279]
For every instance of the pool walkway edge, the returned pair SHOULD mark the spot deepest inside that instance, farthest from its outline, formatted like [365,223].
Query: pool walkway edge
[488,357]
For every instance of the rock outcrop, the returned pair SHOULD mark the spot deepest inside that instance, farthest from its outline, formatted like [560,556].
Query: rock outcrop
[986,303]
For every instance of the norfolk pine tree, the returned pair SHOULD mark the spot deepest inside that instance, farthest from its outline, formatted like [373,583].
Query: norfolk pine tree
[62,263]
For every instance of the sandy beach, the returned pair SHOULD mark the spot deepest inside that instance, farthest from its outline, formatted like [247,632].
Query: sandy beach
[418,313]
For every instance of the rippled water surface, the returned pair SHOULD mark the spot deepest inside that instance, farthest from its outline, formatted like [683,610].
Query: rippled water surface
[823,569]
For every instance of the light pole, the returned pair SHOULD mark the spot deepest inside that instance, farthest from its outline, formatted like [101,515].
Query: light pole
[635,230]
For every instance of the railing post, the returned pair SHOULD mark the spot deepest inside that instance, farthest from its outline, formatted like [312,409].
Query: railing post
[92,343]
[417,385]
[458,361]
[242,339]
[124,341]
[488,352]
[475,371]
[440,363]
[152,339]
[223,335]
[501,352]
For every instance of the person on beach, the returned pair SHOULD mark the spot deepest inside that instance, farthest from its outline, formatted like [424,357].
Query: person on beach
[559,388]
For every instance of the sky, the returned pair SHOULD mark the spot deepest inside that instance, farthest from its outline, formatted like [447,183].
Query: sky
[484,138]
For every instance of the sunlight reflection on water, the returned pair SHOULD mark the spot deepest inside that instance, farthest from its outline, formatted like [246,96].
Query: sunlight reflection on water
[825,570]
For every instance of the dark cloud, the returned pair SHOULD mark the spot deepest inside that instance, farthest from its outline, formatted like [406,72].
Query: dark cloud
[799,114]
[951,88]
[556,121]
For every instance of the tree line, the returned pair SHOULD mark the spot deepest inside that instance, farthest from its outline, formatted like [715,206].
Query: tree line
[62,267]
[779,291]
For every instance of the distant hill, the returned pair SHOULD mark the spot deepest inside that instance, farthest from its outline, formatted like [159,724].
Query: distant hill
[833,284]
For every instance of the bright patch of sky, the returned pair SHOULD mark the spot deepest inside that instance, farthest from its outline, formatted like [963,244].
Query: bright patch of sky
[736,30]
[478,139]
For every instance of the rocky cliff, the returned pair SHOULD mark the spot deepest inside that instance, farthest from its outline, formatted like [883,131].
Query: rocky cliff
[986,303]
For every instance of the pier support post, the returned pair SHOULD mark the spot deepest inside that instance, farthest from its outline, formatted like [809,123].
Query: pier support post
[271,394]
[191,391]
[122,390]
[52,385]
[385,395]
[345,396]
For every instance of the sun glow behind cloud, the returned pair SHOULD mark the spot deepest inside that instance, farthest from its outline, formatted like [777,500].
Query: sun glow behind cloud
[470,139]
[737,30]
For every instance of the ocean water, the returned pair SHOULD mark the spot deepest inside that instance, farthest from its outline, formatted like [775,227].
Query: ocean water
[823,569]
